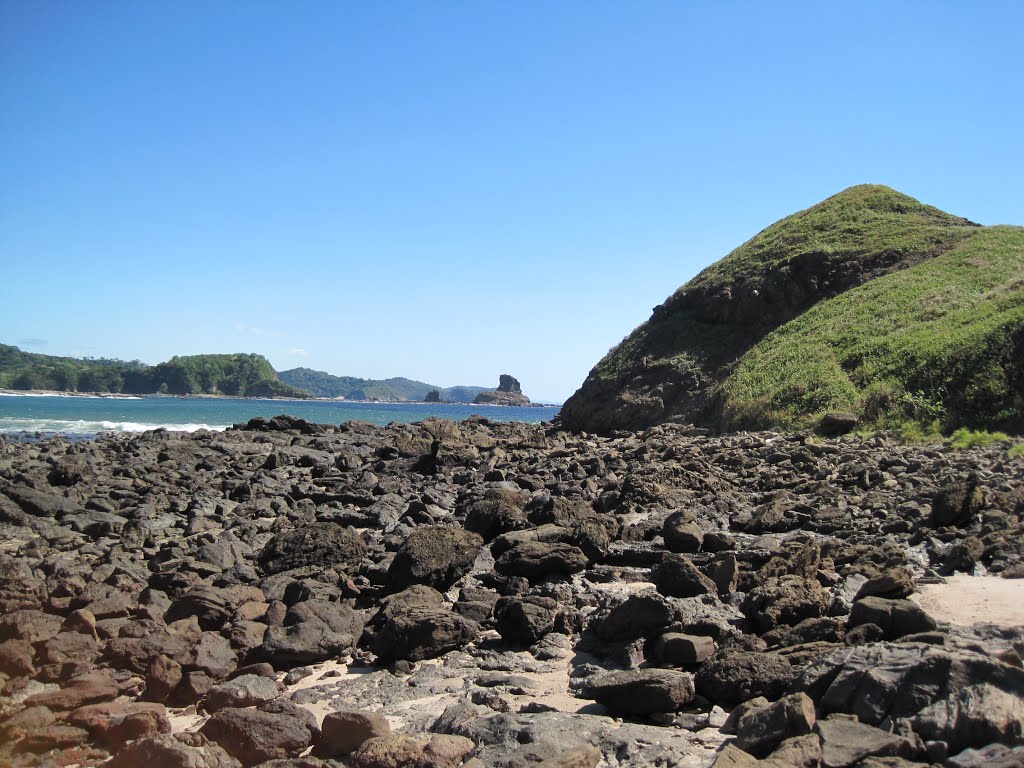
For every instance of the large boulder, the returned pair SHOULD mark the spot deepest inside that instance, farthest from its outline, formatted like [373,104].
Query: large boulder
[642,691]
[327,545]
[845,742]
[242,691]
[434,555]
[537,560]
[274,730]
[762,729]
[417,624]
[896,617]
[186,750]
[343,732]
[677,576]
[954,696]
[637,616]
[116,723]
[958,503]
[313,631]
[525,619]
[733,677]
[784,600]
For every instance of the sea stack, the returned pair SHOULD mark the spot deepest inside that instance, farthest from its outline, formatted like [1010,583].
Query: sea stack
[508,392]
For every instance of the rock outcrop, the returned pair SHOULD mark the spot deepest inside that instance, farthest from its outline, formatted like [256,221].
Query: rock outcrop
[508,393]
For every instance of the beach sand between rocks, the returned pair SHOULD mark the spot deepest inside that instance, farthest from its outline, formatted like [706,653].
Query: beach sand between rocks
[964,600]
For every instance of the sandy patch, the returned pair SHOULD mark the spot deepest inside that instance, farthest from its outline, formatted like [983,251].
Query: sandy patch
[965,600]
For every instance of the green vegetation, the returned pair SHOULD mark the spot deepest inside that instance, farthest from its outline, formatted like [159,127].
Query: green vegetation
[860,224]
[967,438]
[240,375]
[1016,451]
[943,340]
[433,396]
[322,384]
[719,314]
[869,302]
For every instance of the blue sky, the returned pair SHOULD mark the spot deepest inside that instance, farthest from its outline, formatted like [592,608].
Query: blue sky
[452,190]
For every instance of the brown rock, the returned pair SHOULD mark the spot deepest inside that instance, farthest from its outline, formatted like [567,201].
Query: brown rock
[90,688]
[276,729]
[53,737]
[577,757]
[16,658]
[31,625]
[162,678]
[116,723]
[20,723]
[184,751]
[344,732]
[69,646]
[761,730]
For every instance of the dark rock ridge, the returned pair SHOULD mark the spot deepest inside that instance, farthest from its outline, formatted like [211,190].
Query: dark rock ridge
[668,369]
[508,393]
[503,592]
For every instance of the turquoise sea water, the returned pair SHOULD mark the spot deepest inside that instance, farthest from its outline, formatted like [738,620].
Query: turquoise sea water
[85,416]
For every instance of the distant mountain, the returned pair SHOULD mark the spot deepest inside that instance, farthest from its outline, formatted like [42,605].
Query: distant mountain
[321,384]
[239,375]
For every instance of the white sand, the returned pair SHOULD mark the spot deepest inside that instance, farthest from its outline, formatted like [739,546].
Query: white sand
[965,600]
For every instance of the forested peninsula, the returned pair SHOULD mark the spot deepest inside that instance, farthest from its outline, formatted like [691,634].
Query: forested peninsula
[236,375]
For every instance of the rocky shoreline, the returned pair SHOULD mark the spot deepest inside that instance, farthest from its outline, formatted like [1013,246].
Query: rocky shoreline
[480,593]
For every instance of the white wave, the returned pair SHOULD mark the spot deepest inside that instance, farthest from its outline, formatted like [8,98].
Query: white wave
[84,427]
[70,394]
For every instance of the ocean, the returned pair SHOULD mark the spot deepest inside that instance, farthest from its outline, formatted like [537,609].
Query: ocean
[84,417]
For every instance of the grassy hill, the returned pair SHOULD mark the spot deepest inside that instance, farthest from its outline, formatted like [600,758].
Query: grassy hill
[323,384]
[869,301]
[940,344]
[235,374]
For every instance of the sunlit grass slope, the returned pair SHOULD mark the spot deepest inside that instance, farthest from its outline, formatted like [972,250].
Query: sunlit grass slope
[939,345]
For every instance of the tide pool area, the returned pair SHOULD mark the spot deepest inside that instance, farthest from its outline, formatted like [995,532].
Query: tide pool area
[83,416]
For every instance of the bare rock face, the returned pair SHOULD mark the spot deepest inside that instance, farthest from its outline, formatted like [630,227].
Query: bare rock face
[508,392]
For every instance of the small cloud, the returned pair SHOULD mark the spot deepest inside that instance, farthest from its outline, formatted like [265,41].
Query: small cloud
[33,342]
[298,352]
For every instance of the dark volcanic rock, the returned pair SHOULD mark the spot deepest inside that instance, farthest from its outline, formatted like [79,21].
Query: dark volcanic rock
[536,560]
[416,624]
[319,544]
[344,732]
[677,576]
[274,730]
[637,616]
[642,691]
[525,619]
[436,556]
[313,631]
[875,682]
[762,729]
[733,677]
[958,503]
[896,617]
[171,752]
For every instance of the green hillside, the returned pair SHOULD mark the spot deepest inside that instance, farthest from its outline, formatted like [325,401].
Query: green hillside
[322,384]
[241,375]
[741,343]
[939,342]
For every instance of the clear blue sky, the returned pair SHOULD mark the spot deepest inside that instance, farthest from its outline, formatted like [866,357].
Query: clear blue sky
[452,190]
